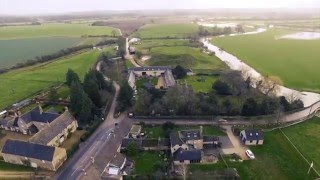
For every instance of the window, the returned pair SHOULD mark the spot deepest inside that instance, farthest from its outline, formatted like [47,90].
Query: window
[250,141]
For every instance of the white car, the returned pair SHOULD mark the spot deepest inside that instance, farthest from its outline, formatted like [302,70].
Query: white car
[250,154]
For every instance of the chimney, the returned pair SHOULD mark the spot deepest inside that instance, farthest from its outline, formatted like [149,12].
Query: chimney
[201,131]
[66,108]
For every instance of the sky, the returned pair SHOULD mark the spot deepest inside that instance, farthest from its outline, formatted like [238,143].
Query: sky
[24,7]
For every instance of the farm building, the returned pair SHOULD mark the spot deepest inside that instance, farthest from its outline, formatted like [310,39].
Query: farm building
[135,41]
[252,137]
[166,79]
[35,121]
[33,155]
[57,131]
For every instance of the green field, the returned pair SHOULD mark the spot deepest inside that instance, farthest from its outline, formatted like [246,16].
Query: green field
[295,62]
[167,30]
[200,83]
[18,84]
[275,159]
[185,56]
[19,50]
[144,163]
[306,137]
[54,29]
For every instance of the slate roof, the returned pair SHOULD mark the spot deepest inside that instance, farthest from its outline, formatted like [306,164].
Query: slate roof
[30,150]
[191,134]
[175,139]
[35,115]
[150,68]
[182,155]
[168,77]
[118,160]
[254,134]
[46,134]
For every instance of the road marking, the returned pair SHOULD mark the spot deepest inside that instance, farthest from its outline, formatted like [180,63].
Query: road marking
[75,171]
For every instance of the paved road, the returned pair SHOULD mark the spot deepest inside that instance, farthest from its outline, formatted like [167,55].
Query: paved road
[75,167]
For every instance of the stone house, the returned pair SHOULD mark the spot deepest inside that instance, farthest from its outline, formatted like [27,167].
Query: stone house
[33,155]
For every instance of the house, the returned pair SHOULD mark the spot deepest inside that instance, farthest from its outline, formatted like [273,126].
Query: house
[135,131]
[57,131]
[117,164]
[182,156]
[164,73]
[252,137]
[33,155]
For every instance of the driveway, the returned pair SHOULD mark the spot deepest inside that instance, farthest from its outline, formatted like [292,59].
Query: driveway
[238,147]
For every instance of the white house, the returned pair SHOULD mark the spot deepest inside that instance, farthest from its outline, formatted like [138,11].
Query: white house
[252,137]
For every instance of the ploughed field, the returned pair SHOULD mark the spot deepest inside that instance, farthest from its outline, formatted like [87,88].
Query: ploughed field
[295,62]
[22,83]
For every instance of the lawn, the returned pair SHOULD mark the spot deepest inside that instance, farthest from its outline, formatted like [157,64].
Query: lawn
[150,31]
[144,162]
[4,166]
[19,50]
[276,159]
[185,56]
[295,62]
[54,29]
[306,137]
[147,45]
[199,83]
[140,82]
[22,83]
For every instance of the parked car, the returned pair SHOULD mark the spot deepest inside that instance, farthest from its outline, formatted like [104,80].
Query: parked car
[250,154]
[130,114]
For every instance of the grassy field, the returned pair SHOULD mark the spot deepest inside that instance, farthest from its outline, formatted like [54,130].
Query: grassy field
[54,29]
[166,30]
[185,56]
[295,62]
[18,84]
[149,44]
[276,159]
[200,83]
[306,137]
[19,50]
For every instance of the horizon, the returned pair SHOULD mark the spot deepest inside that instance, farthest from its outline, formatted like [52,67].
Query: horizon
[58,7]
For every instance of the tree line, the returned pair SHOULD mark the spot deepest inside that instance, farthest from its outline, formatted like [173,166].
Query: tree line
[230,95]
[86,97]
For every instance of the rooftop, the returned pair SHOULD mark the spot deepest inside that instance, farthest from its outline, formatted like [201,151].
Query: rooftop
[30,150]
[175,139]
[118,160]
[45,135]
[254,134]
[135,129]
[36,115]
[150,68]
[182,155]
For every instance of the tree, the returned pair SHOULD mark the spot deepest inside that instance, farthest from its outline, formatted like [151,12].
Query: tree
[269,106]
[125,97]
[86,109]
[222,87]
[53,95]
[239,28]
[133,149]
[91,87]
[143,102]
[71,77]
[250,108]
[114,33]
[179,72]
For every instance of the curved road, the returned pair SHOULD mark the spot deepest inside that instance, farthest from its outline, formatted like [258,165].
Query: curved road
[105,139]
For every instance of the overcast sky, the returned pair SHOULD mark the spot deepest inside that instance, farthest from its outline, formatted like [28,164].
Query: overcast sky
[20,7]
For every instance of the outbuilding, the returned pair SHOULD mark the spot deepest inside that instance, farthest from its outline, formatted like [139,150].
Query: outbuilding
[252,137]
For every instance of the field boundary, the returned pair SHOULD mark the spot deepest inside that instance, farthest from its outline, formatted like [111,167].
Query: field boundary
[309,163]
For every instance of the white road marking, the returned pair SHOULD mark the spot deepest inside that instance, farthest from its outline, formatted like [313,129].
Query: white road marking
[75,171]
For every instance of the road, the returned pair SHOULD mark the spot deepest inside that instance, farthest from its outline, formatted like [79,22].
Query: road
[80,161]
